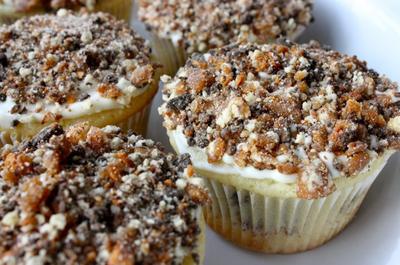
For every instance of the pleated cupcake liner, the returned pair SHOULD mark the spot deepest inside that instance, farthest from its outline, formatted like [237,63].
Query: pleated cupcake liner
[168,55]
[121,9]
[281,225]
[137,122]
[8,18]
[6,138]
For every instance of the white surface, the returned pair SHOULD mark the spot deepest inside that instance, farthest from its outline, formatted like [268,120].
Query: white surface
[370,29]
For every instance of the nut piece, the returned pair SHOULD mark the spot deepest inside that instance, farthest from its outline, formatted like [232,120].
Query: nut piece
[34,194]
[216,150]
[141,76]
[52,162]
[352,110]
[120,257]
[96,139]
[370,114]
[77,132]
[357,162]
[114,171]
[287,168]
[198,80]
[320,139]
[109,91]
[394,124]
[196,194]
[314,182]
[236,108]
[15,166]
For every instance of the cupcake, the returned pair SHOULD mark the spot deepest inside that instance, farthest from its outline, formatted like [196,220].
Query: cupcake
[10,10]
[73,67]
[180,28]
[288,137]
[98,196]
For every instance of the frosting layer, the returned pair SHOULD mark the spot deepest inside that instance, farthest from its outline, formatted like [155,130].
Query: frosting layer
[227,164]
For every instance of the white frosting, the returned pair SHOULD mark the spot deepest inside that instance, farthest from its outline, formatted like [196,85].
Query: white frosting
[228,166]
[95,103]
[327,158]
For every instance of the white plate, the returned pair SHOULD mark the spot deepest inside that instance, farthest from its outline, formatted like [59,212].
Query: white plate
[371,30]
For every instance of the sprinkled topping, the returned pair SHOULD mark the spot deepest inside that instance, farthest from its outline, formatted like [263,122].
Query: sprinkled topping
[29,5]
[68,58]
[96,196]
[202,25]
[298,109]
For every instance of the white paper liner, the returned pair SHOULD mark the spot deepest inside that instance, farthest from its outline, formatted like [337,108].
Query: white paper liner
[137,122]
[5,138]
[120,9]
[168,55]
[8,19]
[281,225]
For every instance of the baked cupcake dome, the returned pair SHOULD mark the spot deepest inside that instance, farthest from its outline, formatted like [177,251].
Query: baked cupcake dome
[73,67]
[97,196]
[13,10]
[288,137]
[182,27]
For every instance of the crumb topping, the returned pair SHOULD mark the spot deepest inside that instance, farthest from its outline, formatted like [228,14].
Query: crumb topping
[29,5]
[201,25]
[299,109]
[68,58]
[96,196]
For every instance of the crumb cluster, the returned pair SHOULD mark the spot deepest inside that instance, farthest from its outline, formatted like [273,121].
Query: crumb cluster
[299,109]
[96,196]
[29,5]
[201,25]
[66,58]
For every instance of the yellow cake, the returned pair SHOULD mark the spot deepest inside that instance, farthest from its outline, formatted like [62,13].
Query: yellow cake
[180,28]
[13,10]
[289,138]
[91,195]
[73,67]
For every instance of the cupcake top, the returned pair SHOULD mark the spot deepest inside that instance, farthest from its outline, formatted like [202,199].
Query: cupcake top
[201,25]
[302,112]
[96,196]
[29,5]
[68,65]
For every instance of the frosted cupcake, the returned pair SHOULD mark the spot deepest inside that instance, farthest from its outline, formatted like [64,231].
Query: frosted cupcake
[98,196]
[180,28]
[73,67]
[12,10]
[289,138]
